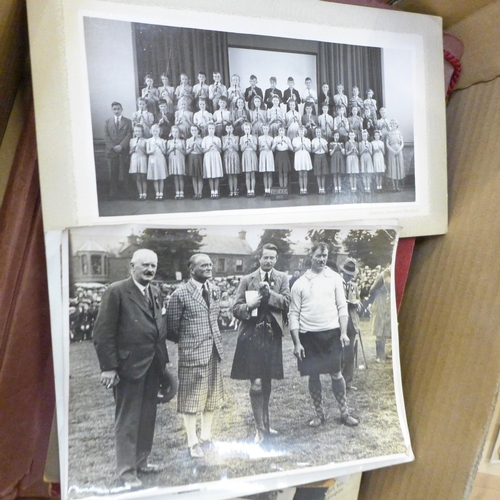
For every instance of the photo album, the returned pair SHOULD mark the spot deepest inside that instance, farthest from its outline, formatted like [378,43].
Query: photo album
[223,202]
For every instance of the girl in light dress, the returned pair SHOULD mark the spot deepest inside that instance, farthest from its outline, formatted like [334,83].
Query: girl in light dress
[319,147]
[266,159]
[194,169]
[151,94]
[249,160]
[232,166]
[156,148]
[281,147]
[378,149]
[176,152]
[143,117]
[139,161]
[356,122]
[275,117]
[240,116]
[183,118]
[184,92]
[258,116]
[292,120]
[212,161]
[337,163]
[167,92]
[302,159]
[234,93]
[395,160]
[202,117]
[221,117]
[352,160]
[325,122]
[365,160]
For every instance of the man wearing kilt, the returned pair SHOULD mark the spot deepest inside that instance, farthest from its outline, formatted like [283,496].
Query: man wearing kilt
[192,314]
[318,323]
[262,299]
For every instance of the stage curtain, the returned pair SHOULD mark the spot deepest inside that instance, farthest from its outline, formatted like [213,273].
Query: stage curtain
[26,372]
[352,66]
[165,49]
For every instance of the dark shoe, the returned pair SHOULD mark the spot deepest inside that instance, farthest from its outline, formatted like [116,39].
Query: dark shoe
[346,419]
[195,451]
[205,442]
[149,469]
[132,483]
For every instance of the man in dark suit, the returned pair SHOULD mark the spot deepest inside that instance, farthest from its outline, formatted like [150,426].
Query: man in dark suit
[192,313]
[130,341]
[117,132]
[260,304]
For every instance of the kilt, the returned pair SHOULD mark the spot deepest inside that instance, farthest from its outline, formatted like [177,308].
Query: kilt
[201,388]
[258,353]
[323,352]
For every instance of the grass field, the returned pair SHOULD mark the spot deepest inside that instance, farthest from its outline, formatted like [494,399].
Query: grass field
[91,440]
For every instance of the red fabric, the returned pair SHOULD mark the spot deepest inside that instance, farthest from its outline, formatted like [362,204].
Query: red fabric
[26,372]
[402,266]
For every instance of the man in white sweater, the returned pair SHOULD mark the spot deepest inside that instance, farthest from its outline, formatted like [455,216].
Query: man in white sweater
[318,323]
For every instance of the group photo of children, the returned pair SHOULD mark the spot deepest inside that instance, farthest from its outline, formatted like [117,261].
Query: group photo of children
[207,124]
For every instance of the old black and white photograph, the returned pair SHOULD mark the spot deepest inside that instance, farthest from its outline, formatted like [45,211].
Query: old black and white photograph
[194,120]
[211,354]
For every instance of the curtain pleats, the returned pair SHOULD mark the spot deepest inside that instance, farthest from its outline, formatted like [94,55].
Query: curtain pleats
[170,50]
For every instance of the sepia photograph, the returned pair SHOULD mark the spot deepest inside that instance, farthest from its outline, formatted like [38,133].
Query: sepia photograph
[190,120]
[202,355]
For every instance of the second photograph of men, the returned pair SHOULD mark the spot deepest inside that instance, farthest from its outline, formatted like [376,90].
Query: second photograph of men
[267,351]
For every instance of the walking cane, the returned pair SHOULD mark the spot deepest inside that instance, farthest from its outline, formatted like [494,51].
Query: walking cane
[362,349]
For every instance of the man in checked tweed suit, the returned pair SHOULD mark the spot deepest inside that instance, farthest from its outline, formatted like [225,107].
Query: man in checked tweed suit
[192,314]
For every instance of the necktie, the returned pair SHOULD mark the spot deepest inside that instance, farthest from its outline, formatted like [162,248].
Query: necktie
[148,298]
[117,124]
[204,293]
[266,278]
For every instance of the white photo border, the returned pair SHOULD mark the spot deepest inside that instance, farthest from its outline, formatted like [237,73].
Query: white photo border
[57,251]
[61,91]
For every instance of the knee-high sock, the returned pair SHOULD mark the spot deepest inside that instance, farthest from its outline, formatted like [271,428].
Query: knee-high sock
[206,425]
[257,402]
[266,396]
[315,392]
[338,388]
[190,425]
